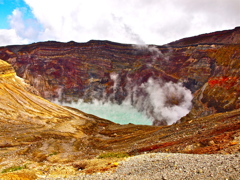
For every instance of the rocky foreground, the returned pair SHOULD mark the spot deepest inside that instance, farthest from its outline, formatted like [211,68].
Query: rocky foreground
[164,166]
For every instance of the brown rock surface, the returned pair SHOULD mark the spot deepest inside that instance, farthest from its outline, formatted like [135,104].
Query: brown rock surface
[220,37]
[41,134]
[208,65]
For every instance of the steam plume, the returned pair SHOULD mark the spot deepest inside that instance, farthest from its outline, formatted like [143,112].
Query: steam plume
[162,102]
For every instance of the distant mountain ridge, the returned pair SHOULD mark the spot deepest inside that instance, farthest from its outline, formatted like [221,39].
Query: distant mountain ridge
[220,37]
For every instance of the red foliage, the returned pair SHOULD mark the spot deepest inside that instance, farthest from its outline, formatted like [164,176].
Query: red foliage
[226,82]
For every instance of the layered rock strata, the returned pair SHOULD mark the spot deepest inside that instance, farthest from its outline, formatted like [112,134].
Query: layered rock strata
[208,65]
[40,135]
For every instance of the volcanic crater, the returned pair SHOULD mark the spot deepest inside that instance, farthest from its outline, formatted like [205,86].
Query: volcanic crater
[37,131]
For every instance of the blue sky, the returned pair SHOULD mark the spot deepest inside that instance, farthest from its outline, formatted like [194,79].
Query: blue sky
[125,21]
[6,9]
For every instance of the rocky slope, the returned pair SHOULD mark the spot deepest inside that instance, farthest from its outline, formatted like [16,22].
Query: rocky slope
[219,37]
[40,139]
[46,139]
[207,65]
[27,118]
[35,130]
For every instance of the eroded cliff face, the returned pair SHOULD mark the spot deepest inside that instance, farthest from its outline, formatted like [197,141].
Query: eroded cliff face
[208,65]
[34,128]
[54,140]
[26,117]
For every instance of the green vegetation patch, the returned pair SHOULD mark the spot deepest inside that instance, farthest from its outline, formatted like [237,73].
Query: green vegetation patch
[113,155]
[52,154]
[14,168]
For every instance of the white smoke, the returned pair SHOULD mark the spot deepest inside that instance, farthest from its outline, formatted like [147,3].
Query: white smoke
[114,77]
[155,52]
[170,101]
[159,102]
[163,102]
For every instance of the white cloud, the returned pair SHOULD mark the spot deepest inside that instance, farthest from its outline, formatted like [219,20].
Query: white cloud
[10,37]
[27,29]
[127,21]
[16,22]
[20,32]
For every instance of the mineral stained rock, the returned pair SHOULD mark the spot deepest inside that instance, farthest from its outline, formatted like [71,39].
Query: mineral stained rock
[46,140]
[39,136]
[208,65]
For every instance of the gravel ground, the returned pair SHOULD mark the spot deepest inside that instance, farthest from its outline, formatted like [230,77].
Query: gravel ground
[167,166]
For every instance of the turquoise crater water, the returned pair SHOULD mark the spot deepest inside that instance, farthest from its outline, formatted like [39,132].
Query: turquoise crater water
[121,114]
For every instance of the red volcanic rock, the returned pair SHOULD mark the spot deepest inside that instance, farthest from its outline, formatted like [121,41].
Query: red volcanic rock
[208,65]
[47,140]
[219,37]
[47,137]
